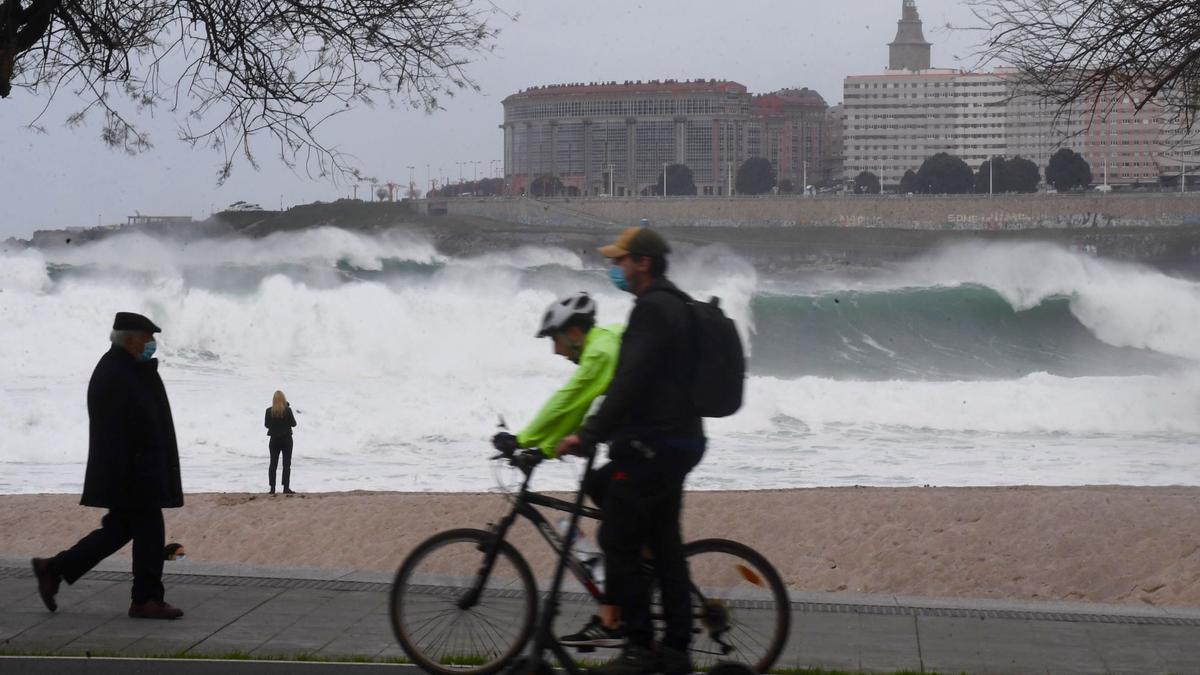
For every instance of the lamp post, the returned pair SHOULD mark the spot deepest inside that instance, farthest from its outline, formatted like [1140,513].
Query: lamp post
[411,180]
[804,188]
[664,180]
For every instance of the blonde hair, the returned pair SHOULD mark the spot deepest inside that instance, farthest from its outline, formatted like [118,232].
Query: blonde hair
[278,403]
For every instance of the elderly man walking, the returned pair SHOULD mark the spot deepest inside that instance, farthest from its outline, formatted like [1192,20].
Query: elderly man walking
[132,470]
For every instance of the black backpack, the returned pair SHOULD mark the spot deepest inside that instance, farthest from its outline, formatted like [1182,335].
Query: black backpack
[719,370]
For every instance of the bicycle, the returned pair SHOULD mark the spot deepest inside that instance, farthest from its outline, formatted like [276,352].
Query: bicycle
[464,601]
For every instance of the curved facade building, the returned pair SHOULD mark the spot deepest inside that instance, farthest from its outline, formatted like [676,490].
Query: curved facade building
[614,138]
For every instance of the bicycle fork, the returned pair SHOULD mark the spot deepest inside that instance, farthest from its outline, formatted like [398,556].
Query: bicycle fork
[490,548]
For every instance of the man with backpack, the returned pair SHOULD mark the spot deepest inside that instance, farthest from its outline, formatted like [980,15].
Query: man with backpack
[653,426]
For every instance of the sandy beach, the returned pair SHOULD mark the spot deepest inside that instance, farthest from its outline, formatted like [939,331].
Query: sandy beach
[1098,544]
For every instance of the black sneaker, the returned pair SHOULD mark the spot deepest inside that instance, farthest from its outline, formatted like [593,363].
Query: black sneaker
[594,634]
[673,661]
[635,660]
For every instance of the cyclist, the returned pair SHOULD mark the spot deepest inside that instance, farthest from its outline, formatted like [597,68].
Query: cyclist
[655,438]
[571,324]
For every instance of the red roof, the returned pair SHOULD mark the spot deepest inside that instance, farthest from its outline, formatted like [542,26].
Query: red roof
[632,87]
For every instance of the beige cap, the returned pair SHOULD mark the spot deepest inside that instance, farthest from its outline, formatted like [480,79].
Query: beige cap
[638,241]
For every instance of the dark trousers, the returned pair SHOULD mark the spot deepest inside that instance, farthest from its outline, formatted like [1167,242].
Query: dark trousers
[281,444]
[642,504]
[144,527]
[595,484]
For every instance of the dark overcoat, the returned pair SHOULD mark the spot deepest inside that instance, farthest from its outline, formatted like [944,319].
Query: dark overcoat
[133,459]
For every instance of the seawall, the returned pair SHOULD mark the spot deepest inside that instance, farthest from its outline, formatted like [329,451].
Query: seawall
[918,212]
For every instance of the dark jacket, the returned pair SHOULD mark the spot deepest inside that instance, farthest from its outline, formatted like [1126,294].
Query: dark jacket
[280,426]
[648,397]
[133,459]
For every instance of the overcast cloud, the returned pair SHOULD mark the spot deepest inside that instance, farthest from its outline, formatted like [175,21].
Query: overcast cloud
[68,177]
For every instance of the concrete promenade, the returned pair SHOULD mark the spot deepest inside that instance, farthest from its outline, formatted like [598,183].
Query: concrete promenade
[342,614]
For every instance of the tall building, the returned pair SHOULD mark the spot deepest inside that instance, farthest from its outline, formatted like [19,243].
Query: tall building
[892,122]
[910,50]
[788,128]
[615,138]
[834,162]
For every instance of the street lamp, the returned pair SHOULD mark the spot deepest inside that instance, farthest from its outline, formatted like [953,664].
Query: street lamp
[664,180]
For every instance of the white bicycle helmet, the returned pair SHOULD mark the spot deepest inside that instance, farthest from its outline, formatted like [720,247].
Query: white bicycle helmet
[561,311]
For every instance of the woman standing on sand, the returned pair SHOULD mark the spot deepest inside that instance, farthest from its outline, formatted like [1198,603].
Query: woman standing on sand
[279,422]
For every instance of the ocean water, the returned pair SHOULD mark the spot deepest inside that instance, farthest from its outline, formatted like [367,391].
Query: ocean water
[986,364]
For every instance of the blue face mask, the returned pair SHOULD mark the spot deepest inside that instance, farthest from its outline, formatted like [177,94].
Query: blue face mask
[617,276]
[148,351]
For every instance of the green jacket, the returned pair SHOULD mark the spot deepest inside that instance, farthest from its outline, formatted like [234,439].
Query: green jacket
[564,412]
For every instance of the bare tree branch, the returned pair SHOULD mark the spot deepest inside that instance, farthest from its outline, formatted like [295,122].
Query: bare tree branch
[234,70]
[1099,52]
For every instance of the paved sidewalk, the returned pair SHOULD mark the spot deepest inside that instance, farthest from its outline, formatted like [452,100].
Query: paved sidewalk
[294,612]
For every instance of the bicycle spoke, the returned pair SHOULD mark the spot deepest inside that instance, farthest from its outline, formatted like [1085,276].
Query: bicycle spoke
[432,627]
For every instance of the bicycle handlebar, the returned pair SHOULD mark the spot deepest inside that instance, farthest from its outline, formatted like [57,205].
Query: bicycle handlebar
[525,460]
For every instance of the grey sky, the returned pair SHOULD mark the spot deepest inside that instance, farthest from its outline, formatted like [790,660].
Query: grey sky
[68,177]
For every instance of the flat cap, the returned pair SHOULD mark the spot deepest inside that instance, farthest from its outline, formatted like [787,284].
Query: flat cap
[132,321]
[638,241]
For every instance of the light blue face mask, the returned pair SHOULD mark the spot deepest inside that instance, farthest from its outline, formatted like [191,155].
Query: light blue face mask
[617,276]
[148,351]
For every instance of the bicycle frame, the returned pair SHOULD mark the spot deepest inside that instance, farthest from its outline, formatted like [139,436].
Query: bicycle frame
[523,507]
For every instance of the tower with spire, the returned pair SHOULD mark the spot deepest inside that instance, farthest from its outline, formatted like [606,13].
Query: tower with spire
[910,50]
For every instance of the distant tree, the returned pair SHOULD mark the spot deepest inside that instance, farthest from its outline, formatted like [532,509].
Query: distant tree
[679,181]
[1022,175]
[231,72]
[908,183]
[867,183]
[990,176]
[1068,170]
[545,185]
[786,186]
[381,194]
[1007,175]
[755,176]
[945,174]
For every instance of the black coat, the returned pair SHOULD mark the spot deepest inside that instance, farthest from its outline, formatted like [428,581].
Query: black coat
[648,397]
[133,459]
[280,426]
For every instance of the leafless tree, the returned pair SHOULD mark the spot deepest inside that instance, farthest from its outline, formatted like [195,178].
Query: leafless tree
[1100,52]
[234,71]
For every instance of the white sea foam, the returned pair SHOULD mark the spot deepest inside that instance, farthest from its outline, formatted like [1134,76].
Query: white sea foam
[399,379]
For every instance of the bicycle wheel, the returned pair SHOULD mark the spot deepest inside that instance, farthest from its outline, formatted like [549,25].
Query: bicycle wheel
[740,606]
[432,626]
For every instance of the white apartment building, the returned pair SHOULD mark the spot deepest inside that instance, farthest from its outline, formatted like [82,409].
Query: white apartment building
[895,120]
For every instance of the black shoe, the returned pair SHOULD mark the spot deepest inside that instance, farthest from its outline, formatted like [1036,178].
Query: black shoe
[594,634]
[288,491]
[272,490]
[673,661]
[635,660]
[153,609]
[48,582]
